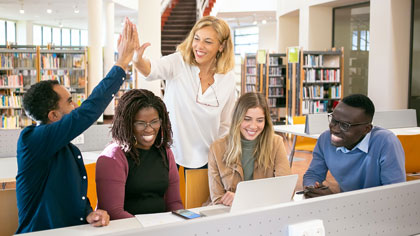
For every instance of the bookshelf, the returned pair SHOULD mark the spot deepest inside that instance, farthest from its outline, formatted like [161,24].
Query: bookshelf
[321,80]
[68,65]
[275,86]
[252,75]
[18,70]
[315,82]
[21,66]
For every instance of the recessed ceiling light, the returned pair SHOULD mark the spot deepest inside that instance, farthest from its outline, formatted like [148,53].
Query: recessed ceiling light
[76,10]
[49,11]
[255,22]
[21,11]
[264,22]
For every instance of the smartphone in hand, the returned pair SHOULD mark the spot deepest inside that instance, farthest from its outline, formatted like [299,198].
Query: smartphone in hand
[186,214]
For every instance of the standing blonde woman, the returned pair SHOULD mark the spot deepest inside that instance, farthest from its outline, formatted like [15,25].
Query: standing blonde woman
[200,88]
[251,150]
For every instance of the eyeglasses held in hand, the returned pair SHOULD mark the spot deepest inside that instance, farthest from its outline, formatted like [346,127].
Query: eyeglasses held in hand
[140,126]
[207,104]
[344,126]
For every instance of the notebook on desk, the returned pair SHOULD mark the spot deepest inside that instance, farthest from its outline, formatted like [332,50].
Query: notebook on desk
[259,193]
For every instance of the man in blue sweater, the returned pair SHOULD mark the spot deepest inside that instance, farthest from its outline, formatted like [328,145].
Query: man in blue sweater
[357,154]
[51,183]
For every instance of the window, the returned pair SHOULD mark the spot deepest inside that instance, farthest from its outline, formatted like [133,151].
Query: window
[75,37]
[246,40]
[65,37]
[351,31]
[56,36]
[11,32]
[37,34]
[46,35]
[83,38]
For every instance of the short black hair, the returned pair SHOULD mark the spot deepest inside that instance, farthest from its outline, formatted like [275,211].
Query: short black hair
[360,101]
[41,99]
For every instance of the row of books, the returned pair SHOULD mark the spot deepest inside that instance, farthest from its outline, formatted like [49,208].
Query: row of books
[66,78]
[251,70]
[251,88]
[321,61]
[324,75]
[275,71]
[78,98]
[54,61]
[276,91]
[251,61]
[11,80]
[310,107]
[18,60]
[275,61]
[13,101]
[276,81]
[251,79]
[14,121]
[321,92]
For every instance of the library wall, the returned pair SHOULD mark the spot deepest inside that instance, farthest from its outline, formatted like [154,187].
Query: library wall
[288,23]
[266,37]
[320,28]
[389,59]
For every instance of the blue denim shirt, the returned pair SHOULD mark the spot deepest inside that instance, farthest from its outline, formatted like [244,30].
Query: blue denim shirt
[51,183]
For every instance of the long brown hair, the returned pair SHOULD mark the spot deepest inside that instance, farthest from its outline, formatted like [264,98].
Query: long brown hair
[264,144]
[123,124]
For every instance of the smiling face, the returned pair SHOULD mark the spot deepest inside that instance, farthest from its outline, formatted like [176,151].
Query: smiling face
[253,123]
[351,115]
[206,45]
[146,137]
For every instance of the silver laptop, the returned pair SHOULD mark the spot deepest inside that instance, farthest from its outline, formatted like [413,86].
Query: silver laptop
[259,193]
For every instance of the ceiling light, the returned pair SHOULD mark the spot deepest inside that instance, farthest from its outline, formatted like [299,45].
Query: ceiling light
[76,10]
[255,22]
[264,22]
[60,24]
[49,11]
[21,11]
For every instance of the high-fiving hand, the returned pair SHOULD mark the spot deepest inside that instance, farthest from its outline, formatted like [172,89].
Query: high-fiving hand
[127,44]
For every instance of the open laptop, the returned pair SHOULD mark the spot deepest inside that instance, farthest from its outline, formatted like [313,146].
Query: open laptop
[259,193]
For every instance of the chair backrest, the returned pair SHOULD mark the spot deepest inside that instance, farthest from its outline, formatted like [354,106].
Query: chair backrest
[8,212]
[411,144]
[298,120]
[91,191]
[196,187]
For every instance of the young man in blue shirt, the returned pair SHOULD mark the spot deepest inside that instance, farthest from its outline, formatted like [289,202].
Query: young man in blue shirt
[51,183]
[357,154]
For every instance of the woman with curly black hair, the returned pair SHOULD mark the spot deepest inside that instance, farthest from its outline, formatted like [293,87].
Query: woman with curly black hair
[136,173]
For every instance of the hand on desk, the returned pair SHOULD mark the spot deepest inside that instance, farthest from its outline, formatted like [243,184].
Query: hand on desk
[98,218]
[227,199]
[317,190]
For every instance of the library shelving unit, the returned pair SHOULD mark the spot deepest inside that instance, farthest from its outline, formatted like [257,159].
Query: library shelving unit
[128,84]
[315,82]
[321,80]
[252,75]
[68,65]
[21,66]
[274,84]
[18,70]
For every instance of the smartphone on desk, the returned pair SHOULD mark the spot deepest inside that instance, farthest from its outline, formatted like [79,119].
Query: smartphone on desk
[186,214]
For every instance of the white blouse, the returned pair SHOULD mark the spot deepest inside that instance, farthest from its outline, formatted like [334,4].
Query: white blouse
[197,119]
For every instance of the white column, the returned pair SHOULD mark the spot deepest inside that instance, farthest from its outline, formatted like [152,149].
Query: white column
[24,31]
[389,53]
[315,27]
[149,31]
[95,70]
[304,27]
[109,26]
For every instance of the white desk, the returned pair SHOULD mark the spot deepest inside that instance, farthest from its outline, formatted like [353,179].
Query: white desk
[299,130]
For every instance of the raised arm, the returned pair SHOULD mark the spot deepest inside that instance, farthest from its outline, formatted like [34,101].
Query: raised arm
[141,64]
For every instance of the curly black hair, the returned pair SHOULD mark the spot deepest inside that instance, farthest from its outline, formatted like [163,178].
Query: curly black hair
[360,101]
[123,124]
[41,99]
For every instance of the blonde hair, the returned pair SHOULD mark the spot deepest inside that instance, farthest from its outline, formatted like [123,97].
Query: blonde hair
[225,60]
[264,145]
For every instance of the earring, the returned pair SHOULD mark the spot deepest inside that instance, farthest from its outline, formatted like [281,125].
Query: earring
[135,144]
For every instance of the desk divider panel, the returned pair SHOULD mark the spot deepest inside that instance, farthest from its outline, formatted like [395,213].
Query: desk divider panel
[95,139]
[386,210]
[403,118]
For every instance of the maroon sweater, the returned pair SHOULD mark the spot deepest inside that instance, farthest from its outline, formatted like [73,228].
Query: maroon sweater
[111,176]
